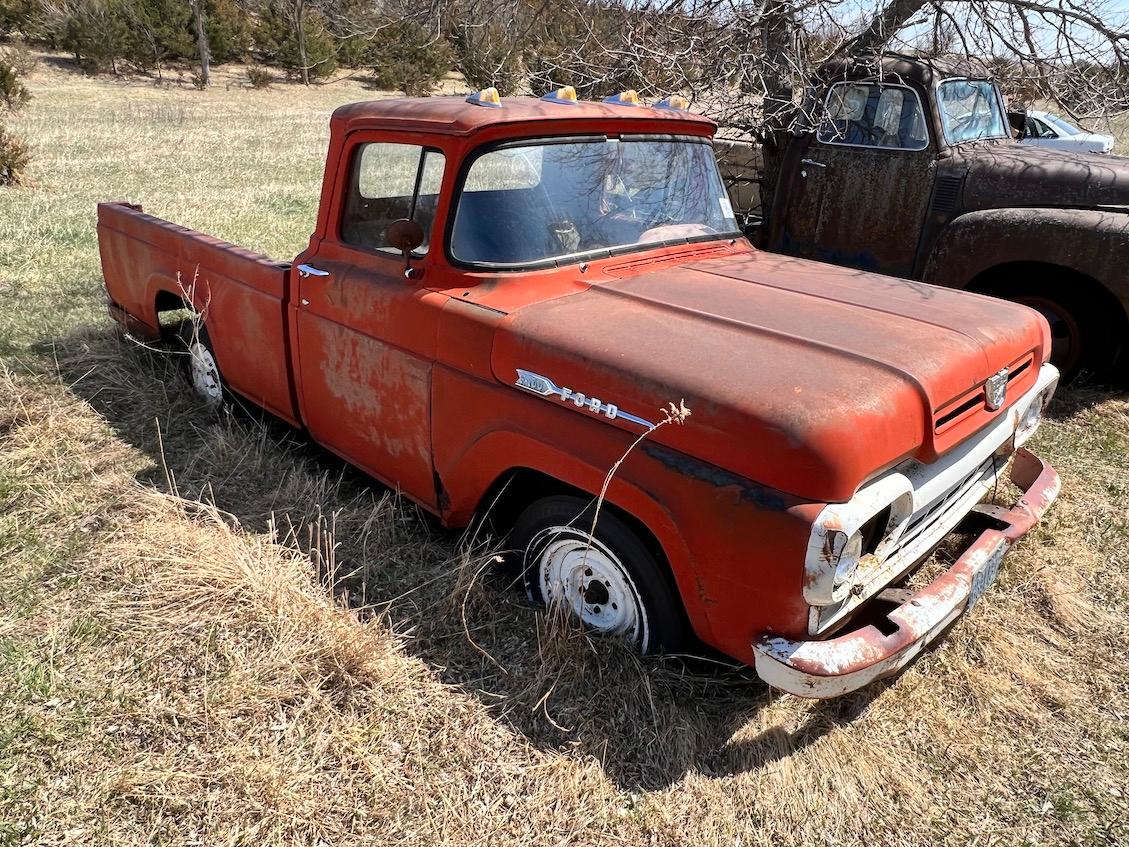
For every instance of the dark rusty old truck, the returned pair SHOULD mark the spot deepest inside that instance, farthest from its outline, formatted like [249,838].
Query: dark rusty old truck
[499,298]
[911,170]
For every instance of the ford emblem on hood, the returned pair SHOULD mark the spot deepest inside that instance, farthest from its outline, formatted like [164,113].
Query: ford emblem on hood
[995,390]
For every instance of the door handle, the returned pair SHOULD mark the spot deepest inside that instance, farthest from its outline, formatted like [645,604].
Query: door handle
[810,163]
[306,271]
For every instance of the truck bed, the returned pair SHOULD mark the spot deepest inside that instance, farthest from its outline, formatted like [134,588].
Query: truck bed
[150,265]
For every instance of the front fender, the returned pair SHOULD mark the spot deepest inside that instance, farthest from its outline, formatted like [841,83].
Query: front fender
[735,548]
[1089,241]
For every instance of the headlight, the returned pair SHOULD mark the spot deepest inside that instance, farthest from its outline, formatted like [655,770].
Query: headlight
[849,539]
[846,567]
[1033,414]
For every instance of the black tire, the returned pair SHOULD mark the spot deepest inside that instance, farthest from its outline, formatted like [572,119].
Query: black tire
[551,539]
[201,367]
[1087,339]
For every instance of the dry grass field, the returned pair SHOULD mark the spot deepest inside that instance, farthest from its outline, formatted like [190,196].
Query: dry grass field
[212,633]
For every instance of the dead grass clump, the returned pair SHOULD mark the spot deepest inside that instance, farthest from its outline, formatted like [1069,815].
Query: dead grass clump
[195,567]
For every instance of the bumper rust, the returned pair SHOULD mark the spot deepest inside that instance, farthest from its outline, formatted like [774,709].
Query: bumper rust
[820,669]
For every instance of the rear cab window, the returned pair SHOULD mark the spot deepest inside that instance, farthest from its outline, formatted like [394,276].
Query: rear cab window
[389,182]
[861,114]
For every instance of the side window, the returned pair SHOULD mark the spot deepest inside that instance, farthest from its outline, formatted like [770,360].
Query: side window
[873,115]
[389,182]
[508,169]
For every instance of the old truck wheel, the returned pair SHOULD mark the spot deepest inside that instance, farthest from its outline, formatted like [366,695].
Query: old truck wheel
[203,371]
[1085,339]
[609,580]
[1067,341]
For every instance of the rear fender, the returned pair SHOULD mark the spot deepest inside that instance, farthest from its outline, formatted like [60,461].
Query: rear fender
[246,329]
[193,293]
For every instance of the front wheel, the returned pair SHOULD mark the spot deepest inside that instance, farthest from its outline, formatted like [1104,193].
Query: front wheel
[608,579]
[1086,338]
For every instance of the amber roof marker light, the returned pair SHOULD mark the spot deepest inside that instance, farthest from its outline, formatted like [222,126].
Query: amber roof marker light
[675,102]
[486,97]
[565,95]
[630,97]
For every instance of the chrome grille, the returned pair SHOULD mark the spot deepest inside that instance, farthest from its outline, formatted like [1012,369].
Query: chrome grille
[924,530]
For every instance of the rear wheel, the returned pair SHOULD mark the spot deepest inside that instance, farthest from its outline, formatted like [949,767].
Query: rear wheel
[608,578]
[202,369]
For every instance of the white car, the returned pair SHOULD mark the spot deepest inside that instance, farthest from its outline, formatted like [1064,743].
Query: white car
[1046,130]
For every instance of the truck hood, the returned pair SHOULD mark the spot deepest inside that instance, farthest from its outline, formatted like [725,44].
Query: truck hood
[1011,174]
[802,376]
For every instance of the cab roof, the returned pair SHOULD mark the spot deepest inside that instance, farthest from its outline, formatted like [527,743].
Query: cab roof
[455,116]
[924,70]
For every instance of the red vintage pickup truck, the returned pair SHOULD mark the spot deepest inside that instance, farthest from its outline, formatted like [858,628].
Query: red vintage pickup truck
[500,297]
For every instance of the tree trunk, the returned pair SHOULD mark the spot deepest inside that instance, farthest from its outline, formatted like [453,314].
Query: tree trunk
[202,43]
[778,40]
[874,38]
[303,59]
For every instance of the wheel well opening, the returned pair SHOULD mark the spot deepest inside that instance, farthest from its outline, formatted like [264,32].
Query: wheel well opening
[1017,278]
[172,311]
[1092,319]
[518,488]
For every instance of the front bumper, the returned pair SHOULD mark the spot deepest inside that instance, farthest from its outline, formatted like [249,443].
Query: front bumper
[820,669]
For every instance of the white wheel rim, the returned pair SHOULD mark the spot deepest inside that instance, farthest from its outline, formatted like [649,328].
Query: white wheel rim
[577,571]
[205,374]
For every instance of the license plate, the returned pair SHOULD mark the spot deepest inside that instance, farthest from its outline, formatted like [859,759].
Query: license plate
[986,574]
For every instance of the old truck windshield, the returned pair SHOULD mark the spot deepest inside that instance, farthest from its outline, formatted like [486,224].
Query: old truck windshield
[970,110]
[543,202]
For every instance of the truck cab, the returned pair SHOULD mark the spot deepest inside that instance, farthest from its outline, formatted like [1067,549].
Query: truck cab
[910,168]
[541,311]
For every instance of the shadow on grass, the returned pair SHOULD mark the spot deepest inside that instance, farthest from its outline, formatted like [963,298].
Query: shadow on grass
[649,722]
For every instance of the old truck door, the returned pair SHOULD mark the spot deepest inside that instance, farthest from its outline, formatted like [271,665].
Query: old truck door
[365,332]
[857,192]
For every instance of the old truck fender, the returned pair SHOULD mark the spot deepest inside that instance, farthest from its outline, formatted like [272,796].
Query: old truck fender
[247,328]
[497,454]
[1094,242]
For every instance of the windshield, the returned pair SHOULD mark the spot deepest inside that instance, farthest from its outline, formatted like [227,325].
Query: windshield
[546,201]
[1061,125]
[970,110]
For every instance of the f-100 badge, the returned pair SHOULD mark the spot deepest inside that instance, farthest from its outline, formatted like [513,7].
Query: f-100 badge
[545,387]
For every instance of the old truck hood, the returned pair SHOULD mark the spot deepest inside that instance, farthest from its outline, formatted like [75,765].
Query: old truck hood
[1009,174]
[803,376]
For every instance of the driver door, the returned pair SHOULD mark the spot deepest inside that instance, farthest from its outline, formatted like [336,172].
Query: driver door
[860,195]
[365,332]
